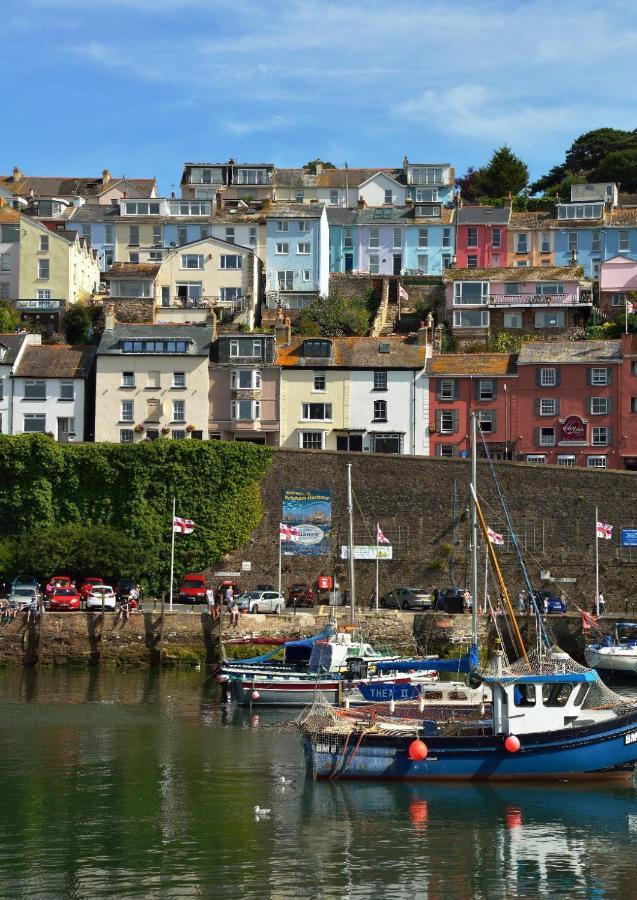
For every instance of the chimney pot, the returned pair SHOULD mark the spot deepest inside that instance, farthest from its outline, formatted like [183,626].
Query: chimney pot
[109,318]
[17,173]
[282,329]
[106,177]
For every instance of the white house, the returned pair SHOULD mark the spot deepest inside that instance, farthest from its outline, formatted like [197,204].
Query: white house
[12,347]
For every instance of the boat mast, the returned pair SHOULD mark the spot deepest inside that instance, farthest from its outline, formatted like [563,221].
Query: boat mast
[474,532]
[350,547]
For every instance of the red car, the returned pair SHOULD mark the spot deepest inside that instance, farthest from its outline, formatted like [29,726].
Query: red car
[301,594]
[193,589]
[87,584]
[58,581]
[64,598]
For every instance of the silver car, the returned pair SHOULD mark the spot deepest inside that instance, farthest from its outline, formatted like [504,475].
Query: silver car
[23,596]
[261,602]
[407,598]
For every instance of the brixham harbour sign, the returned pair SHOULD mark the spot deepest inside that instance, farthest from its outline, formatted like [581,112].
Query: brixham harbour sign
[382,551]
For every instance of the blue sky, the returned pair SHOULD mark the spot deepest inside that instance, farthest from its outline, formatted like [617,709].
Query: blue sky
[140,86]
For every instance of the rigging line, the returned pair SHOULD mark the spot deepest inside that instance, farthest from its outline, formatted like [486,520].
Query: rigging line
[510,634]
[525,547]
[514,539]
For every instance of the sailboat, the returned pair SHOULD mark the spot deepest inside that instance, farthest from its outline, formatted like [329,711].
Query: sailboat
[616,653]
[550,719]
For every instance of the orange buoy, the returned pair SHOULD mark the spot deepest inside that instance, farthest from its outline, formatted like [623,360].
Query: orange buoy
[512,743]
[418,750]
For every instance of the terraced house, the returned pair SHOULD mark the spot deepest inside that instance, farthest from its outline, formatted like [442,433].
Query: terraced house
[297,255]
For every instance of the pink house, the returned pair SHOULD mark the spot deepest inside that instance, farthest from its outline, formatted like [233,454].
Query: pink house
[617,280]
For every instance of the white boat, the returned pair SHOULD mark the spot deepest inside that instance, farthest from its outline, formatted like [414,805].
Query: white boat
[615,654]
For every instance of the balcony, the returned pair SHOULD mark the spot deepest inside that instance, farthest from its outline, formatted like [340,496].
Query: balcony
[39,305]
[235,306]
[246,393]
[583,298]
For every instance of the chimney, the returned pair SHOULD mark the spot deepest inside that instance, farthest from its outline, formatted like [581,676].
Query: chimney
[508,199]
[573,257]
[218,202]
[106,177]
[423,335]
[360,203]
[282,329]
[405,162]
[17,174]
[318,168]
[265,204]
[212,322]
[125,195]
[109,318]
[172,195]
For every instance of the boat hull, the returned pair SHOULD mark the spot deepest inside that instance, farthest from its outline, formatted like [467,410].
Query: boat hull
[255,691]
[601,750]
[605,660]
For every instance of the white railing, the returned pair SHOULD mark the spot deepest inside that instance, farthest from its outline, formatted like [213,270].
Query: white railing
[537,299]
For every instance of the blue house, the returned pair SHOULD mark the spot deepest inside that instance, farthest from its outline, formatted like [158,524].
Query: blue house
[97,223]
[296,254]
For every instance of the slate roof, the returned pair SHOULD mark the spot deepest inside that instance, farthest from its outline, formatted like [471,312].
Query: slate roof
[12,342]
[569,352]
[198,336]
[516,273]
[94,212]
[484,215]
[62,186]
[332,178]
[295,211]
[357,353]
[400,215]
[132,270]
[472,364]
[55,361]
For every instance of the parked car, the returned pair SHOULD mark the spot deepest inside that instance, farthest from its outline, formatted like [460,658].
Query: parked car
[407,598]
[301,594]
[25,581]
[101,596]
[452,600]
[87,585]
[264,587]
[261,602]
[64,598]
[23,596]
[58,581]
[554,603]
[193,589]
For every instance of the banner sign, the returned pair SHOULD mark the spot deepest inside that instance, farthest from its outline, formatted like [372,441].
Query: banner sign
[628,537]
[383,551]
[309,513]
[573,430]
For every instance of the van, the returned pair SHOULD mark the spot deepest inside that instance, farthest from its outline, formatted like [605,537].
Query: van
[193,589]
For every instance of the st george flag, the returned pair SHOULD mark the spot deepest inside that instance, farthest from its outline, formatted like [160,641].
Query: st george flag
[380,537]
[604,532]
[494,537]
[289,533]
[183,526]
[587,620]
[402,293]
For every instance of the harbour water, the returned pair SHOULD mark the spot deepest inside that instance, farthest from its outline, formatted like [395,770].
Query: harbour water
[141,784]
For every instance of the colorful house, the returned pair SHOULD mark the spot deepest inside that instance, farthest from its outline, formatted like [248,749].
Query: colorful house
[481,236]
[296,255]
[618,286]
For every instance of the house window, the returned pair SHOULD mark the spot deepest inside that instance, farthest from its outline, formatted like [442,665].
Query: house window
[178,434]
[423,263]
[128,380]
[447,450]
[472,237]
[549,318]
[182,235]
[599,406]
[596,462]
[282,248]
[285,280]
[282,225]
[623,241]
[333,197]
[565,459]
[547,437]
[67,390]
[496,237]
[133,235]
[304,225]
[600,436]
[319,381]
[486,389]
[306,275]
[374,266]
[155,255]
[43,293]
[389,198]
[522,242]
[109,234]
[157,236]
[4,290]
[348,241]
[252,236]
[446,260]
[319,411]
[126,411]
[230,261]
[230,235]
[303,249]
[537,458]
[470,293]
[380,381]
[398,238]
[471,318]
[447,421]
[545,242]
[447,389]
[299,196]
[380,410]
[487,420]
[423,237]
[35,390]
[548,377]
[548,406]
[191,261]
[596,242]
[133,257]
[246,410]
[386,443]
[446,237]
[126,436]
[472,261]
[246,379]
[179,379]
[374,238]
[311,440]
[34,423]
[512,320]
[43,268]
[44,240]
[599,377]
[572,240]
[251,176]
[5,262]
[179,411]
[618,299]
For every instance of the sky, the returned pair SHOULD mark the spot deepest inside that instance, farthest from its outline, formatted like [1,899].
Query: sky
[142,86]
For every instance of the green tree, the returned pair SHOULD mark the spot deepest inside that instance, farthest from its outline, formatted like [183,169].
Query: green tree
[619,166]
[335,316]
[9,317]
[584,156]
[76,323]
[505,172]
[310,167]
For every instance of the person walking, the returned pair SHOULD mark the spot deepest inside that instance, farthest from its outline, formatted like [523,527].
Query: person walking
[602,604]
[521,602]
[212,606]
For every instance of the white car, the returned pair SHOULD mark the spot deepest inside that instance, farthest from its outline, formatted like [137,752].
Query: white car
[23,596]
[101,595]
[261,602]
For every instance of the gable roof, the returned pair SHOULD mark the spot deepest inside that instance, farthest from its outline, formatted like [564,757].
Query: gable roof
[384,175]
[569,352]
[12,342]
[484,215]
[472,364]
[63,186]
[55,361]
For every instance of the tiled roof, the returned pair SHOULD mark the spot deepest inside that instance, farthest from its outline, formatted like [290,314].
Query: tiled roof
[332,178]
[472,364]
[402,215]
[55,361]
[61,186]
[627,199]
[198,336]
[295,211]
[7,214]
[620,217]
[532,220]
[484,215]
[357,353]
[516,273]
[12,342]
[569,352]
[133,270]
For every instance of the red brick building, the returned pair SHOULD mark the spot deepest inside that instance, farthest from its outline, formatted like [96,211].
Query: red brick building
[627,435]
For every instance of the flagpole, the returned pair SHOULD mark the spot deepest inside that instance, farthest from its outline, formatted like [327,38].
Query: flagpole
[596,561]
[279,583]
[626,317]
[172,557]
[376,594]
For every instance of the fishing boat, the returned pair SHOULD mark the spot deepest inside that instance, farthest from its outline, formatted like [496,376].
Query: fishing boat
[616,653]
[550,718]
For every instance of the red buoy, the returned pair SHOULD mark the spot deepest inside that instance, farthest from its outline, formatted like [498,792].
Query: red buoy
[418,750]
[512,743]
[255,695]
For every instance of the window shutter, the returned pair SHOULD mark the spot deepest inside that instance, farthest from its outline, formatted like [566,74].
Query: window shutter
[455,420]
[557,407]
[589,405]
[438,388]
[455,388]
[609,405]
[476,392]
[438,420]
[589,376]
[494,421]
[301,440]
[558,377]
[609,432]
[454,449]
[536,404]
[609,375]
[536,437]
[538,376]
[494,382]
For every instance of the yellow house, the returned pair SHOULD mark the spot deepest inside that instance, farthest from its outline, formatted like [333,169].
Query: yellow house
[55,265]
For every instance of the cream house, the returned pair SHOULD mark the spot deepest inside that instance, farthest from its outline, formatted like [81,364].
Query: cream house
[152,381]
[55,265]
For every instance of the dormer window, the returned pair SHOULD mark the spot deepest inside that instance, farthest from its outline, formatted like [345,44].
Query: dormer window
[252,176]
[580,210]
[314,348]
[427,175]
[428,210]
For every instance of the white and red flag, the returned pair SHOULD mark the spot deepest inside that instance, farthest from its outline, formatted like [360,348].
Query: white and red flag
[402,293]
[290,533]
[588,620]
[183,526]
[380,537]
[604,532]
[494,537]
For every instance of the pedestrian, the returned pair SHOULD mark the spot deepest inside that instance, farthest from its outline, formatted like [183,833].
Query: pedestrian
[372,599]
[546,605]
[521,602]
[212,606]
[133,597]
[229,595]
[467,601]
[601,603]
[233,609]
